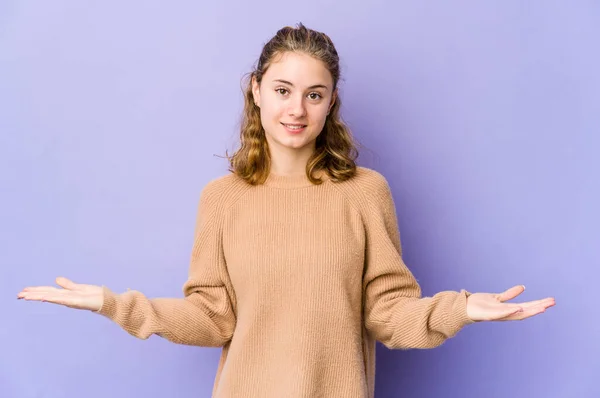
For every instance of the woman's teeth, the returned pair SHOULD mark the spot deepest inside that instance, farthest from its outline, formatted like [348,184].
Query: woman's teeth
[293,127]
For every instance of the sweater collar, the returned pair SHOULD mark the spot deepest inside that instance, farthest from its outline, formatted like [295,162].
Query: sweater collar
[293,181]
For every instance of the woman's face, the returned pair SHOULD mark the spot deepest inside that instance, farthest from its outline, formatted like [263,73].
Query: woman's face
[295,96]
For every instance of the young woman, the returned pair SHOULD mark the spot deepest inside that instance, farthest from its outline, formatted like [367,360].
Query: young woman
[296,266]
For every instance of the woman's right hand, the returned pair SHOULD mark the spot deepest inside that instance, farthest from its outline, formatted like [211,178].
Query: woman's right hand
[73,295]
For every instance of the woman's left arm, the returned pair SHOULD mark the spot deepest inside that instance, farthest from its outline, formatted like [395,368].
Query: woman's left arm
[394,311]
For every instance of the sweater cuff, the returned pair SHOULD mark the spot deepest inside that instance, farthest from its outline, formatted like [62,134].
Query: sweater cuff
[109,304]
[458,318]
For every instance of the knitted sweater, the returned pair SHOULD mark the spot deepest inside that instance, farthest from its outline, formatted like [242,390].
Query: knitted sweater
[296,282]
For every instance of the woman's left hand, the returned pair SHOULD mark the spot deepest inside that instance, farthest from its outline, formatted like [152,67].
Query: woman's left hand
[493,307]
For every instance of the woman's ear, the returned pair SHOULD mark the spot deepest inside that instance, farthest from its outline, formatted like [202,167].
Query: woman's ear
[255,91]
[333,99]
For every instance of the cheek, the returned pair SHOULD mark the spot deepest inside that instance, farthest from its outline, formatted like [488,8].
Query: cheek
[271,109]
[320,114]
[269,117]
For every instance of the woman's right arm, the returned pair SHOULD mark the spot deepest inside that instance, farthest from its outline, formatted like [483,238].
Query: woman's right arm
[204,317]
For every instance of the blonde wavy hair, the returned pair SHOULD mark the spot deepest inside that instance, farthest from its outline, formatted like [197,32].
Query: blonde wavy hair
[336,149]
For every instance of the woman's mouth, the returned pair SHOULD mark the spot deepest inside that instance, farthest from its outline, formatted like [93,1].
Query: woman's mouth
[294,128]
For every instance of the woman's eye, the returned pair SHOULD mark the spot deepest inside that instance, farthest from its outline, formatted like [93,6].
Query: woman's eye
[312,96]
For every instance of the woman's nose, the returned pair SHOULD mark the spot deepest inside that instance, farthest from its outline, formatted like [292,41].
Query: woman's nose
[297,107]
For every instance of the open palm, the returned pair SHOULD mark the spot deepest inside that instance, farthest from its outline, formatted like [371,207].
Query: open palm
[493,307]
[70,294]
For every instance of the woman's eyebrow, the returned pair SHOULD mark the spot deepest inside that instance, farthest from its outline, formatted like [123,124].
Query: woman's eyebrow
[311,87]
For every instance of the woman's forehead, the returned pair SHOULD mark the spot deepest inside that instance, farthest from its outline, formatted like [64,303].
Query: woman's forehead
[299,70]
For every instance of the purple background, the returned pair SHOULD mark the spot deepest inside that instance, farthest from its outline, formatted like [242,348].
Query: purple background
[483,116]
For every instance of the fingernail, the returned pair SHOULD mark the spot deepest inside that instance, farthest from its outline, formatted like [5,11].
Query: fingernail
[523,287]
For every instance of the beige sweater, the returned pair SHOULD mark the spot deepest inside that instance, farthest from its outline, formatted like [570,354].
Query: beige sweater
[296,282]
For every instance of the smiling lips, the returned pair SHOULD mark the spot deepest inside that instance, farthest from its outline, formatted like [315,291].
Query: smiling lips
[294,127]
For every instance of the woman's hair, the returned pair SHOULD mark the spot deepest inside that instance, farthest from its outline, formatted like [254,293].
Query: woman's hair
[335,147]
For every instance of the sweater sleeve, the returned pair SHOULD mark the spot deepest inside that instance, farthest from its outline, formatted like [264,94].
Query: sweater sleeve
[205,316]
[395,312]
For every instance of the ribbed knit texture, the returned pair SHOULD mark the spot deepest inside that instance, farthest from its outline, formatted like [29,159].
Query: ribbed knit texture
[296,282]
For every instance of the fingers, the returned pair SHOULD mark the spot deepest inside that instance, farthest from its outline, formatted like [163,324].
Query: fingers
[510,311]
[67,283]
[50,297]
[62,282]
[532,310]
[547,302]
[40,289]
[70,285]
[528,313]
[511,293]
